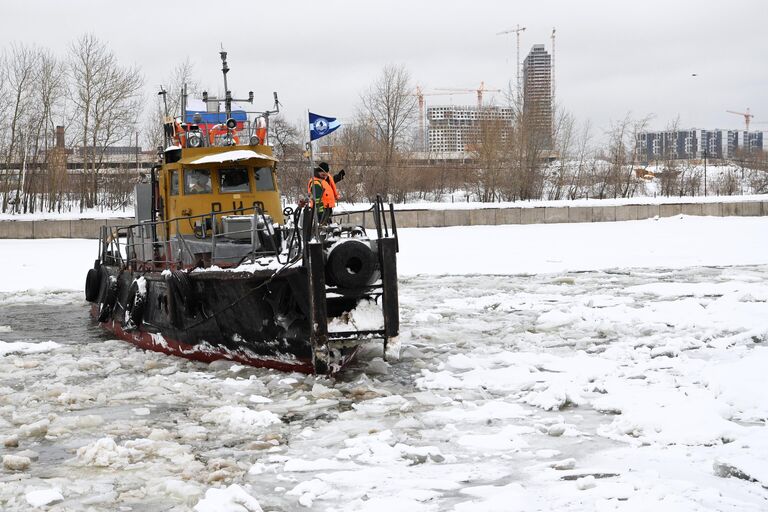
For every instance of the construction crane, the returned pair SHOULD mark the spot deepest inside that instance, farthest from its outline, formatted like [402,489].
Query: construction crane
[553,67]
[419,93]
[480,90]
[517,30]
[747,116]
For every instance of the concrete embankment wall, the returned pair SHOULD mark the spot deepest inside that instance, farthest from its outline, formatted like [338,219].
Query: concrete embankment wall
[563,214]
[89,228]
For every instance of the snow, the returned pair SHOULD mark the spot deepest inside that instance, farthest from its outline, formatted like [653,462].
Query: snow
[366,316]
[230,156]
[674,242]
[232,499]
[39,265]
[74,214]
[611,366]
[43,497]
[22,347]
[242,418]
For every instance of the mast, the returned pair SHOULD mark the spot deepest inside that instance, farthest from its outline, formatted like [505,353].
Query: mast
[227,92]
[553,65]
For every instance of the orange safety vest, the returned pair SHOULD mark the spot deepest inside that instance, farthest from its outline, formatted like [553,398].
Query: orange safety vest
[332,183]
[329,192]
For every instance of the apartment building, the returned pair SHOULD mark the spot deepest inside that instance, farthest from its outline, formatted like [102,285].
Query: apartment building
[454,129]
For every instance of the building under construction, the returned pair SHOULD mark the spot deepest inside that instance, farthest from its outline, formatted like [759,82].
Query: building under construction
[537,93]
[455,129]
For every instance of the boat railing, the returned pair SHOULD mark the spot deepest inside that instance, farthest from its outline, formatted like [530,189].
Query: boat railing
[138,245]
[379,212]
[240,136]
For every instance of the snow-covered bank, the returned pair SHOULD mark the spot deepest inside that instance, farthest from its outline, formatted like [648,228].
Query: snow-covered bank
[92,213]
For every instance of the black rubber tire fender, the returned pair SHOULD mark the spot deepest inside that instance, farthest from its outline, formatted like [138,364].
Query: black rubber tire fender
[134,306]
[180,282]
[109,296]
[351,264]
[92,285]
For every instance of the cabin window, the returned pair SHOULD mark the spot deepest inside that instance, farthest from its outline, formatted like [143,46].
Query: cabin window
[234,180]
[197,181]
[263,177]
[174,183]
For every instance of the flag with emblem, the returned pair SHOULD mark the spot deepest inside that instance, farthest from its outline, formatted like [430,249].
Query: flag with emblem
[320,126]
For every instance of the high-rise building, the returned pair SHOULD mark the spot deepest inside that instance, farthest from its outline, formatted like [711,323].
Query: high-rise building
[537,92]
[454,129]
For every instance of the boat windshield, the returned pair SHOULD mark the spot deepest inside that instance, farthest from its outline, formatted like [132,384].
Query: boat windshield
[234,180]
[264,179]
[197,181]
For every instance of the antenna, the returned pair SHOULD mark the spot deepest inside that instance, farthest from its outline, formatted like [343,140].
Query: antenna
[164,94]
[227,92]
[517,30]
[228,99]
[184,103]
[553,69]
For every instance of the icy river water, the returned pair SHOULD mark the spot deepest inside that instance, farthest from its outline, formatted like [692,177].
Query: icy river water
[617,390]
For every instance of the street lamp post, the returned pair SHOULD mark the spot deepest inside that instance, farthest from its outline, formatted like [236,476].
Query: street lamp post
[706,146]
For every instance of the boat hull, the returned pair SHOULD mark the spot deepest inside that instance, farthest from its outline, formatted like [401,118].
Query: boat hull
[253,318]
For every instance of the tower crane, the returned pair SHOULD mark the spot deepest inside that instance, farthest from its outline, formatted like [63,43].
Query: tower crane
[480,90]
[419,93]
[747,116]
[517,30]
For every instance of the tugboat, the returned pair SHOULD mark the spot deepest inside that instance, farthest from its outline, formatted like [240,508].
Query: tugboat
[215,268]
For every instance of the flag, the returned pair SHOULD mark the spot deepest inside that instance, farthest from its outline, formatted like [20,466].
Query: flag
[320,126]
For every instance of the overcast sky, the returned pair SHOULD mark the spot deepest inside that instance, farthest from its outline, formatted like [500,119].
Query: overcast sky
[612,56]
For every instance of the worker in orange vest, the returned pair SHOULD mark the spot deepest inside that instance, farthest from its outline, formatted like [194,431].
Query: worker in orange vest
[322,190]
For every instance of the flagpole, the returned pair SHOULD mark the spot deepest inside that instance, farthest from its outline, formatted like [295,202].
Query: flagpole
[319,126]
[311,175]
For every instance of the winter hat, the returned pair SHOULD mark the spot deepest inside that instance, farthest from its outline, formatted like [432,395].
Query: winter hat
[324,167]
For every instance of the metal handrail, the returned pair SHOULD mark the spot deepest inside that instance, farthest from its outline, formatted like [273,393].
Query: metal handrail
[110,238]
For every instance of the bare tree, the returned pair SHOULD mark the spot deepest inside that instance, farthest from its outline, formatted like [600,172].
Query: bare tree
[619,178]
[106,101]
[20,72]
[577,182]
[49,89]
[354,149]
[526,148]
[670,174]
[389,109]
[560,172]
[289,149]
[490,151]
[181,75]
